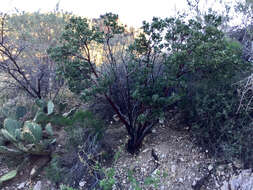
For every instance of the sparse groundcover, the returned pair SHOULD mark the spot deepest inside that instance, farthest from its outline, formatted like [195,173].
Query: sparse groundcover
[174,94]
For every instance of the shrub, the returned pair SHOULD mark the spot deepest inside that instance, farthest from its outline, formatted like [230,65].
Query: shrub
[64,187]
[210,99]
[135,87]
[54,171]
[81,152]
[172,63]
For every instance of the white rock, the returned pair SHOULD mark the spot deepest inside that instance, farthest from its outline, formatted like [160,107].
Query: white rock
[243,181]
[194,183]
[82,183]
[33,171]
[173,168]
[21,185]
[146,150]
[161,121]
[116,117]
[181,159]
[210,167]
[225,186]
[181,180]
[37,186]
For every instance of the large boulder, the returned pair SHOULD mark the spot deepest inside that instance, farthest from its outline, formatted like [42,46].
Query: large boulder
[243,181]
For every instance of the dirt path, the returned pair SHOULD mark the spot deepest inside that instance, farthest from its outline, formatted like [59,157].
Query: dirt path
[180,163]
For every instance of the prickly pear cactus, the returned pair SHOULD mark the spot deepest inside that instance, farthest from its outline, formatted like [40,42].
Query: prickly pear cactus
[11,130]
[28,138]
[50,107]
[45,111]
[20,112]
[49,129]
[10,151]
[8,176]
[41,103]
[40,117]
[2,141]
[32,132]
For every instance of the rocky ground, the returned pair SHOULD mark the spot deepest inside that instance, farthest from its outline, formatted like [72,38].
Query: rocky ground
[168,160]
[179,164]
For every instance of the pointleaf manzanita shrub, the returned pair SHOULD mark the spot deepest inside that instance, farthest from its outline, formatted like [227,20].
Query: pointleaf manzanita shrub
[171,63]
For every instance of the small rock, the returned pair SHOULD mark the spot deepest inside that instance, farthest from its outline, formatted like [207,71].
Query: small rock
[116,117]
[210,167]
[33,171]
[225,186]
[161,121]
[181,159]
[181,180]
[146,150]
[173,168]
[194,183]
[37,186]
[48,182]
[237,164]
[21,185]
[243,181]
[82,183]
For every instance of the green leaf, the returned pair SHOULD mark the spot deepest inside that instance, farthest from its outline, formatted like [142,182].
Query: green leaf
[40,117]
[32,132]
[49,129]
[18,134]
[6,150]
[50,107]
[40,103]
[11,125]
[8,176]
[8,135]
[20,112]
[155,97]
[2,141]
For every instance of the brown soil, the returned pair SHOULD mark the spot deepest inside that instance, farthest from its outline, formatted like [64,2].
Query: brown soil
[180,163]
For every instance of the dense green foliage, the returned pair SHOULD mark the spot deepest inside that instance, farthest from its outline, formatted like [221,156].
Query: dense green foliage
[173,62]
[208,65]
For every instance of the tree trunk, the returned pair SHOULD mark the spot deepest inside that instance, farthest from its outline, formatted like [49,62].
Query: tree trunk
[134,144]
